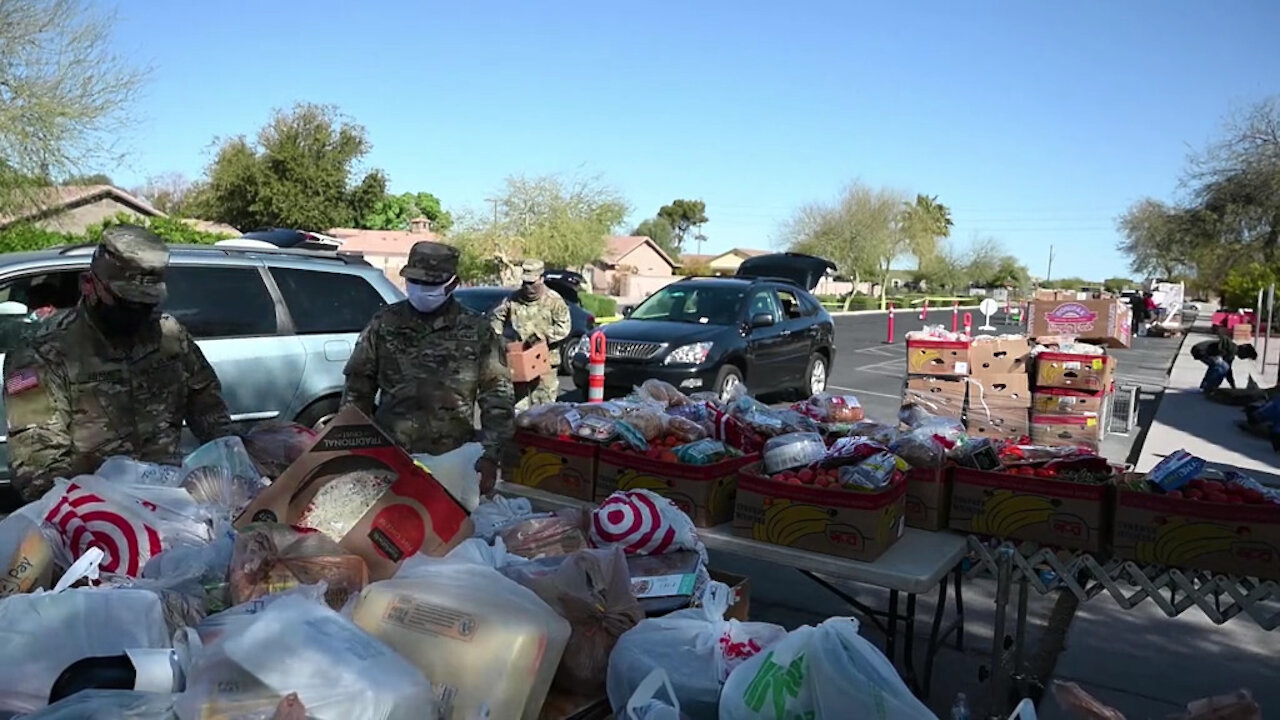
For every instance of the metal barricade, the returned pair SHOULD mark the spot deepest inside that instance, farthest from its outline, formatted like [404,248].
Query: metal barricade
[1122,410]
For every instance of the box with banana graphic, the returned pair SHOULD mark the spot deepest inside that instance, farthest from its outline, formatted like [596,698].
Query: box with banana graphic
[928,498]
[938,357]
[833,521]
[704,492]
[1071,371]
[1061,513]
[1232,539]
[563,467]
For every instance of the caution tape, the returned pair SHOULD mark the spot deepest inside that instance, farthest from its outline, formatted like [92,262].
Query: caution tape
[1219,597]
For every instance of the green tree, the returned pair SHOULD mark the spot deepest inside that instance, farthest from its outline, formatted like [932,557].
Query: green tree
[1118,284]
[65,96]
[23,237]
[685,217]
[660,231]
[299,172]
[91,179]
[1161,239]
[396,212]
[927,223]
[1241,286]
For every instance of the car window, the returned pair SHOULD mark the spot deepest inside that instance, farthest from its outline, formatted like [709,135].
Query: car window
[56,290]
[324,302]
[220,302]
[792,306]
[705,305]
[763,301]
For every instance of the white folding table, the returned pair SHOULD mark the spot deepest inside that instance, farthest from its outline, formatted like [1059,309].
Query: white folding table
[918,562]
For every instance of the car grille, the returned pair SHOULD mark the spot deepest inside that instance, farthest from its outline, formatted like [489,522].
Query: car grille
[626,350]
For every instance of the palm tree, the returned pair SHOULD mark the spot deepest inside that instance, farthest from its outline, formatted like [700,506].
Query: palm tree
[927,221]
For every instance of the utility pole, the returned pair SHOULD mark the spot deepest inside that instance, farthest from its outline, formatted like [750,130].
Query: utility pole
[495,209]
[1048,275]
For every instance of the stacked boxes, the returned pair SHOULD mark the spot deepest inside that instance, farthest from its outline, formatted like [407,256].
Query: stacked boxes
[999,389]
[936,372]
[1070,398]
[1102,319]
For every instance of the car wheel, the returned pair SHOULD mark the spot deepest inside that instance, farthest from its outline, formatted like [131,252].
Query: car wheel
[727,379]
[815,377]
[318,413]
[566,355]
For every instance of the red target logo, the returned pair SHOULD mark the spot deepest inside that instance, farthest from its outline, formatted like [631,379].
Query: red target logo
[634,521]
[85,520]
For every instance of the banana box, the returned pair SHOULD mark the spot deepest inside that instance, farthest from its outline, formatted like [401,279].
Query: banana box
[937,357]
[1069,371]
[558,465]
[999,356]
[1152,528]
[833,521]
[944,397]
[928,499]
[1067,430]
[1056,401]
[704,492]
[1058,513]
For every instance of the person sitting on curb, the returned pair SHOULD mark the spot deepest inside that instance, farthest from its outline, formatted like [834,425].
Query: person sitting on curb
[1218,355]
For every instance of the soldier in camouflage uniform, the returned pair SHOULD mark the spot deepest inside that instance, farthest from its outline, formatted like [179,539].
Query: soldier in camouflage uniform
[111,376]
[531,314]
[434,360]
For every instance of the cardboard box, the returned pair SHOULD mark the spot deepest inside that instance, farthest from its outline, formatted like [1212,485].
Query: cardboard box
[998,423]
[1002,356]
[846,523]
[1087,373]
[414,514]
[940,396]
[1057,295]
[563,466]
[1153,528]
[1067,430]
[527,364]
[937,357]
[1108,321]
[1000,391]
[1052,512]
[740,588]
[928,498]
[704,492]
[1057,401]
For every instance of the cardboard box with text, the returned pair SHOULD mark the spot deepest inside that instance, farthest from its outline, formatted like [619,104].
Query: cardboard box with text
[1067,430]
[1056,401]
[1106,321]
[560,465]
[937,357]
[928,497]
[704,492]
[1068,371]
[943,397]
[1059,513]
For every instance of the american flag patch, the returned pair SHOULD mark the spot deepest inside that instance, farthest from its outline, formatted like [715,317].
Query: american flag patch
[21,381]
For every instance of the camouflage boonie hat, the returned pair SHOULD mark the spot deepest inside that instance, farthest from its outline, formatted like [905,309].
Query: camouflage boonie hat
[431,262]
[131,262]
[531,270]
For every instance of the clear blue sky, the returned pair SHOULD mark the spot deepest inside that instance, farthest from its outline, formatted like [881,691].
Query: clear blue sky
[1036,122]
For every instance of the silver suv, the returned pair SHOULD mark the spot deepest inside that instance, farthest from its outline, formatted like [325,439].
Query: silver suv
[277,325]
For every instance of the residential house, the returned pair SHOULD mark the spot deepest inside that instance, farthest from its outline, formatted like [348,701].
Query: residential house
[387,250]
[73,209]
[633,268]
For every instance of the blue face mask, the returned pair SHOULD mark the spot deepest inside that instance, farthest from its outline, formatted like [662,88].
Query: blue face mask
[428,298]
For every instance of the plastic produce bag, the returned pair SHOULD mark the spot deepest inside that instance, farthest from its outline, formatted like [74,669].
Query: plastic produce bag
[704,452]
[121,469]
[592,590]
[684,429]
[828,671]
[875,473]
[793,450]
[109,705]
[642,522]
[645,703]
[215,626]
[220,474]
[338,671]
[456,471]
[274,445]
[546,419]
[926,445]
[698,648]
[548,535]
[496,512]
[269,558]
[831,408]
[204,565]
[661,391]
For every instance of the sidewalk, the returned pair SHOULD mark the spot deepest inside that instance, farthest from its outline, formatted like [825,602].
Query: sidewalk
[1143,663]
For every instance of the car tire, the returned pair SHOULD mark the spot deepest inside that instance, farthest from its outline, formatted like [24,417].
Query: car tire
[728,376]
[319,412]
[566,355]
[810,382]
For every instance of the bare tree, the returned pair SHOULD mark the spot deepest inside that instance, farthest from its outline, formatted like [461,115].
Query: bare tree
[64,94]
[166,193]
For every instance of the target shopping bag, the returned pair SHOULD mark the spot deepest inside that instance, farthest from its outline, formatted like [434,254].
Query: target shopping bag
[129,523]
[643,523]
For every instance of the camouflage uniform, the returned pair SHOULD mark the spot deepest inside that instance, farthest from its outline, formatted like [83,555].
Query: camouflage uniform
[75,395]
[544,317]
[433,369]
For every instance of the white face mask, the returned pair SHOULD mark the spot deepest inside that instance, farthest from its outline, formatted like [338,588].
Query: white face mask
[428,298]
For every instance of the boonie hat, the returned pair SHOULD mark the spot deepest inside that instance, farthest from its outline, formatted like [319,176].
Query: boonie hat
[531,270]
[131,262]
[431,262]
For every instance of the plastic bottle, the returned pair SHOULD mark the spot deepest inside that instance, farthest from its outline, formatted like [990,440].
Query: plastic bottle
[151,670]
[960,710]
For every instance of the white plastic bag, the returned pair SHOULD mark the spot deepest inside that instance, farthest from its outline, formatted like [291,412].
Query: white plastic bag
[109,705]
[127,471]
[26,554]
[297,645]
[456,471]
[828,671]
[497,512]
[644,703]
[642,522]
[698,648]
[213,627]
[221,476]
[41,633]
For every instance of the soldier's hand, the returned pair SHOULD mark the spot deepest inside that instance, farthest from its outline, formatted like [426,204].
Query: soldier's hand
[488,470]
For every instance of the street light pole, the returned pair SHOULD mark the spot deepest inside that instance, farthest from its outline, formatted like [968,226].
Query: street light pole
[1048,275]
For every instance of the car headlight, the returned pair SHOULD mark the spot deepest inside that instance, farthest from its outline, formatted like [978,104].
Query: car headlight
[691,354]
[584,346]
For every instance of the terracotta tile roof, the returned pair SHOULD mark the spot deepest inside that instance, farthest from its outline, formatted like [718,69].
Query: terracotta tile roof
[619,246]
[49,201]
[380,242]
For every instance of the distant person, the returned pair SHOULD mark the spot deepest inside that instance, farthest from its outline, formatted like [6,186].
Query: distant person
[1153,309]
[534,314]
[1138,306]
[42,301]
[1219,355]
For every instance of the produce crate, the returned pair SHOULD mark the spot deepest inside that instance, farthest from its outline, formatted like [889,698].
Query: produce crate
[937,357]
[1234,539]
[1058,401]
[1068,430]
[833,521]
[1001,356]
[1069,371]
[928,497]
[528,363]
[559,465]
[1046,510]
[704,492]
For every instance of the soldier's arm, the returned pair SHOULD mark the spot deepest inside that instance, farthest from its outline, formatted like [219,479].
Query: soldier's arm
[38,410]
[361,387]
[561,322]
[498,318]
[496,398]
[206,412]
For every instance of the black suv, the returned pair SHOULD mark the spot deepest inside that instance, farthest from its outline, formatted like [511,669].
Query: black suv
[762,327]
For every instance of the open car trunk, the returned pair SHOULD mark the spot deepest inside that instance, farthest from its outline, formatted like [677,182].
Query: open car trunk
[803,270]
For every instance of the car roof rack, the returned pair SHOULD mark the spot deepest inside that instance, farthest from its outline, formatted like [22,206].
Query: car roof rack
[346,256]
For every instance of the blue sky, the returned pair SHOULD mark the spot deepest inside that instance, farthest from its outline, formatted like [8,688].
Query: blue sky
[1036,122]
